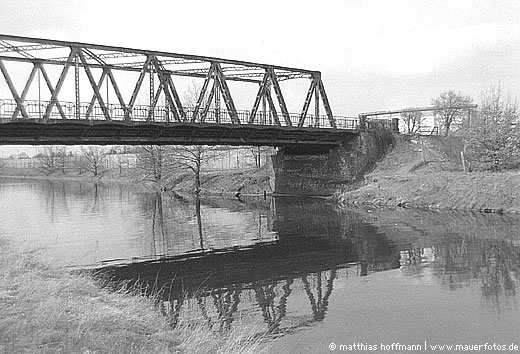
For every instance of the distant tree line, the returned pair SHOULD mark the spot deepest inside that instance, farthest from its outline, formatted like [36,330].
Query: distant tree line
[157,163]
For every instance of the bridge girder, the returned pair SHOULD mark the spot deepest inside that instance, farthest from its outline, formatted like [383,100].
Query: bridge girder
[100,63]
[101,132]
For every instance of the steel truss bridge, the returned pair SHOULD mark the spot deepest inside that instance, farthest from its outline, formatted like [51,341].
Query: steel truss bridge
[79,108]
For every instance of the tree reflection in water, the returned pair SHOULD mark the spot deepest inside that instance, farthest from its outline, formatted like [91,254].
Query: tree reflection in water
[314,240]
[459,249]
[231,259]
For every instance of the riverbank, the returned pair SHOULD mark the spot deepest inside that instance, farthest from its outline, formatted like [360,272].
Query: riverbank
[429,175]
[230,182]
[44,309]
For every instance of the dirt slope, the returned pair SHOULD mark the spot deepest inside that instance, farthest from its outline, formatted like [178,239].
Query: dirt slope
[429,175]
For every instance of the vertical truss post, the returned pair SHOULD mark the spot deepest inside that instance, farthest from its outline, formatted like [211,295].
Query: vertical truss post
[19,101]
[317,107]
[217,101]
[76,87]
[263,121]
[152,93]
[281,101]
[39,92]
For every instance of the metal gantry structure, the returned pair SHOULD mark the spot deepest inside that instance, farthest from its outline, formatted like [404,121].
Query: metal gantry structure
[381,117]
[100,65]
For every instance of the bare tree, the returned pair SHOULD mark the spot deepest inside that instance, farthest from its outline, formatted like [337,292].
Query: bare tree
[118,152]
[62,159]
[92,157]
[257,152]
[192,158]
[451,108]
[156,161]
[494,136]
[412,120]
[49,158]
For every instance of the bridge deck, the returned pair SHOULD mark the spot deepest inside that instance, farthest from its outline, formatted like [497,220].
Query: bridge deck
[78,132]
[157,127]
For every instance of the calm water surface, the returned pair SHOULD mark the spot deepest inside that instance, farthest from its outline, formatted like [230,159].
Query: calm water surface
[305,272]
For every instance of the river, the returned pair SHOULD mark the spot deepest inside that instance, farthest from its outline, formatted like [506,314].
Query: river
[308,274]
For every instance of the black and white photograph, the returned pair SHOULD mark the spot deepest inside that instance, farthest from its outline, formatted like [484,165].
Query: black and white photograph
[259,177]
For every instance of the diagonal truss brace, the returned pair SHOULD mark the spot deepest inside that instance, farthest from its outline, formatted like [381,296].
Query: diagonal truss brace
[93,100]
[169,90]
[264,91]
[51,89]
[216,74]
[17,98]
[95,57]
[57,89]
[137,87]
[226,94]
[308,99]
[202,94]
[264,86]
[214,90]
[318,90]
[95,86]
[326,104]
[279,95]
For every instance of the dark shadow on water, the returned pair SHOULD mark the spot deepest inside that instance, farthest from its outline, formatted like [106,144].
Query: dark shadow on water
[315,239]
[279,262]
[317,243]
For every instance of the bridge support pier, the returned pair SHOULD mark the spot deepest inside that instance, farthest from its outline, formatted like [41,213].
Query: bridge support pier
[312,171]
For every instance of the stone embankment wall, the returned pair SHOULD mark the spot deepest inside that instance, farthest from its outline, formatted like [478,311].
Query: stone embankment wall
[322,172]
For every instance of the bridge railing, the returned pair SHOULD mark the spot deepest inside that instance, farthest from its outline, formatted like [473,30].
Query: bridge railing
[160,114]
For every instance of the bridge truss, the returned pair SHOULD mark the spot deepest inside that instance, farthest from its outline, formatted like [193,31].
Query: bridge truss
[96,68]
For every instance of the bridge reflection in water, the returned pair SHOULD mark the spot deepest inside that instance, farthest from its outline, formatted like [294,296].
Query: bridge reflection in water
[284,281]
[303,267]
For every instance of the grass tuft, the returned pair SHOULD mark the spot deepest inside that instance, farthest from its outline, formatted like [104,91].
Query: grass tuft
[49,310]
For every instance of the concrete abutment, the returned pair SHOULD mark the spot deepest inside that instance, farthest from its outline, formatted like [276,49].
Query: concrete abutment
[312,171]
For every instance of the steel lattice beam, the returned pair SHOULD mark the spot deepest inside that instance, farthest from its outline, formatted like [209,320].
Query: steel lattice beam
[100,63]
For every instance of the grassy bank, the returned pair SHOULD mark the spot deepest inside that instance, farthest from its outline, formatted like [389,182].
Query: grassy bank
[428,176]
[49,310]
[229,182]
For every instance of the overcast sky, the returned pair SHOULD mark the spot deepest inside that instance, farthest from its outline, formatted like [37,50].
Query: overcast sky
[373,55]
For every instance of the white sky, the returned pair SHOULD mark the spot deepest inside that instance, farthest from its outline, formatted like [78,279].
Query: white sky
[373,55]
